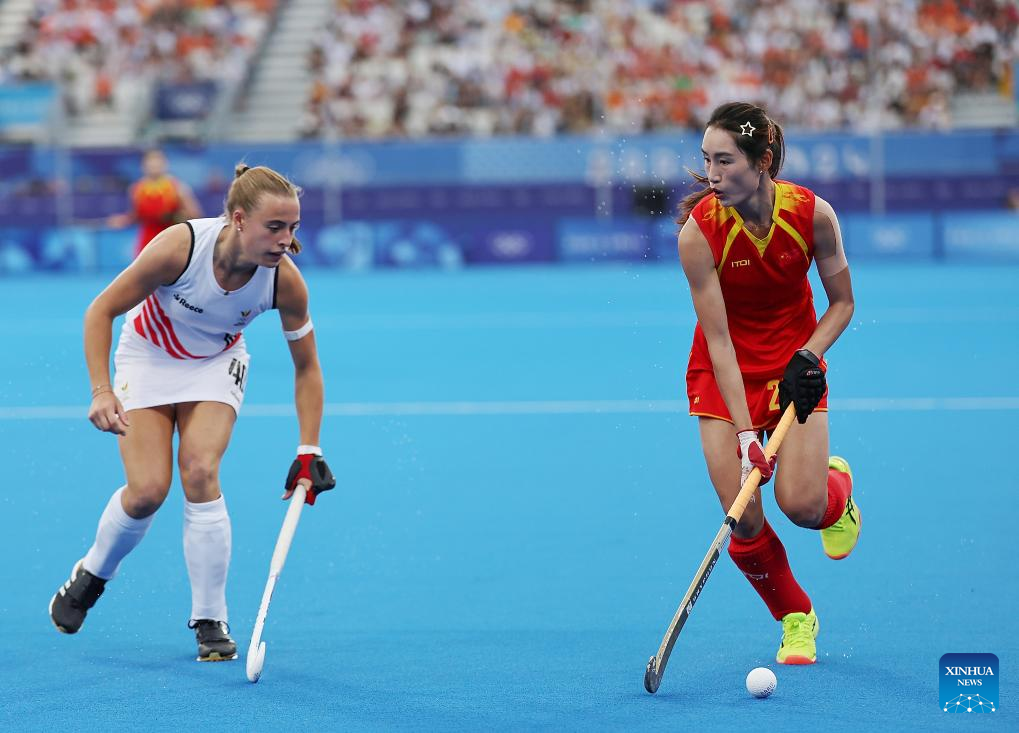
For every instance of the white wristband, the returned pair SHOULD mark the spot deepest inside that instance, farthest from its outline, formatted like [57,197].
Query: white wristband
[303,450]
[299,333]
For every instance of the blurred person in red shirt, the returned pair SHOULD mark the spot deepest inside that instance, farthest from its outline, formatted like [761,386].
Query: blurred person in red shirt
[158,200]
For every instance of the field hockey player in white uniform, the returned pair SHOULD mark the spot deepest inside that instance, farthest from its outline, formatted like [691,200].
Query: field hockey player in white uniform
[181,364]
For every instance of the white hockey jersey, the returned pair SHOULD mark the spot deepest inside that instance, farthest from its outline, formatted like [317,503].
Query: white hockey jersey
[193,317]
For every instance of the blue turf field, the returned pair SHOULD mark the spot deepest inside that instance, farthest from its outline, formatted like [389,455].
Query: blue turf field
[521,504]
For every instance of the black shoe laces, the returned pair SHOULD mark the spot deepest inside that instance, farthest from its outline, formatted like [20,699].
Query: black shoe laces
[210,630]
[85,590]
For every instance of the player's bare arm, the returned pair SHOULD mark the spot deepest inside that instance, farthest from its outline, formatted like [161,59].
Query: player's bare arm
[292,301]
[309,390]
[833,268]
[160,263]
[699,266]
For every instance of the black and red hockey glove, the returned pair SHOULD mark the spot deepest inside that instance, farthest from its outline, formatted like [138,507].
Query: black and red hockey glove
[309,465]
[803,384]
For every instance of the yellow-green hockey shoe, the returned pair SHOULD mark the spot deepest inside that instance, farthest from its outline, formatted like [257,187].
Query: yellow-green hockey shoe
[798,633]
[840,538]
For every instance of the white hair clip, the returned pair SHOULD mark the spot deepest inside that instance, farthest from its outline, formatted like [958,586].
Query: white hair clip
[747,129]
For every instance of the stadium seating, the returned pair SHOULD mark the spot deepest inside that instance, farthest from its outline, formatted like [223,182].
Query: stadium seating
[393,68]
[540,67]
[108,56]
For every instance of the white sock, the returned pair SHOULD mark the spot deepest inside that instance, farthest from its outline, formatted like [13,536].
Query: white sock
[117,535]
[207,553]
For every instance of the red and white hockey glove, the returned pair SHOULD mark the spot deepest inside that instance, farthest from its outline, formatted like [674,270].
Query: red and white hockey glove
[751,453]
[309,465]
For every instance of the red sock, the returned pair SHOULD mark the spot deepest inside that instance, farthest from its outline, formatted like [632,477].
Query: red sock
[839,488]
[763,561]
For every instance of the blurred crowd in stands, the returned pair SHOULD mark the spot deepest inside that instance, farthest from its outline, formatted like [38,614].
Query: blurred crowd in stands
[542,67]
[99,50]
[385,68]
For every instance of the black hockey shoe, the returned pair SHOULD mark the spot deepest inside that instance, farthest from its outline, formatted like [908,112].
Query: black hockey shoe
[74,598]
[214,642]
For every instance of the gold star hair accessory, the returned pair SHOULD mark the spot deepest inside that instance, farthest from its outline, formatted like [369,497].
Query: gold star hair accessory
[747,129]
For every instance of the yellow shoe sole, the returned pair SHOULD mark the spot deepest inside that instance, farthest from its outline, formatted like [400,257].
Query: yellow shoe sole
[859,529]
[842,465]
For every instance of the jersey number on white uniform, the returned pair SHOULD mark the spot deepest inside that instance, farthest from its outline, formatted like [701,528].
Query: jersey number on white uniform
[238,371]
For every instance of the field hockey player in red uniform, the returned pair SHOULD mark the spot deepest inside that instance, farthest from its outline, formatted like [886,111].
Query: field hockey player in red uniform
[746,244]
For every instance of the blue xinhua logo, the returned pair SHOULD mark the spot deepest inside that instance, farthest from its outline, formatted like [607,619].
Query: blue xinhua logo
[968,683]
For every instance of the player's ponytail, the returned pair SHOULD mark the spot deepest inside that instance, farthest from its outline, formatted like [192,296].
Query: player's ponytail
[690,201]
[777,146]
[754,133]
[250,184]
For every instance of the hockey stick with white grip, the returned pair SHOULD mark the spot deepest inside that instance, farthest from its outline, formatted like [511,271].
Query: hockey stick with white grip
[256,649]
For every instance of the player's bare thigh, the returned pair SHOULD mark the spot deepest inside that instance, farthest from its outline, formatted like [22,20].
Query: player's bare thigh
[801,480]
[147,453]
[205,429]
[718,441]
